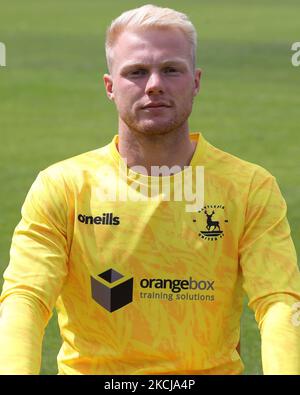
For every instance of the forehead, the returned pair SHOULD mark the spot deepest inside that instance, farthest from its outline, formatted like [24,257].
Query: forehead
[151,46]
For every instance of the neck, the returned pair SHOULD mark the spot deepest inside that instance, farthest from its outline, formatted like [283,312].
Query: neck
[170,149]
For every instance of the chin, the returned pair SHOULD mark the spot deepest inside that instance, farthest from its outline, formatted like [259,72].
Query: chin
[154,132]
[156,128]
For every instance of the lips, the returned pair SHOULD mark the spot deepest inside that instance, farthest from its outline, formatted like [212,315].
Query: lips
[155,105]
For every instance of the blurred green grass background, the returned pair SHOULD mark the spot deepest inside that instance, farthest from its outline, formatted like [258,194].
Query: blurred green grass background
[53,105]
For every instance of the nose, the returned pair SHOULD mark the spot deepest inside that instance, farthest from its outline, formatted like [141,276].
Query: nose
[154,84]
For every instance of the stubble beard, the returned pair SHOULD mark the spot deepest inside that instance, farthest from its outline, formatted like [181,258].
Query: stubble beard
[152,127]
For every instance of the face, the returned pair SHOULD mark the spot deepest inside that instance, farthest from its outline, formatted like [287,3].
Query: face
[152,80]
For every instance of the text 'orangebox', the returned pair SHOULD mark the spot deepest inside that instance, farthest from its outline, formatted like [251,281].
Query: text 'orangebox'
[112,290]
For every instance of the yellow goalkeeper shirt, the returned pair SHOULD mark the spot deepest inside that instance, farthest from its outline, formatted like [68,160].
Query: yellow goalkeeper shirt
[145,282]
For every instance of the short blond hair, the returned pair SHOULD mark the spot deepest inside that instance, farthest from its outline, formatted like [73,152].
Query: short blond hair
[149,16]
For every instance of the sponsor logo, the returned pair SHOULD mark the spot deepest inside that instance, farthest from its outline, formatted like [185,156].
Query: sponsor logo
[211,222]
[105,219]
[112,290]
[177,285]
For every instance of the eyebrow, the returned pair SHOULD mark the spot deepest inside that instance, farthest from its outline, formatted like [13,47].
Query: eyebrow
[175,61]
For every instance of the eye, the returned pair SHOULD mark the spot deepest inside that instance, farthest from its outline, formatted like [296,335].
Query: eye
[138,73]
[171,70]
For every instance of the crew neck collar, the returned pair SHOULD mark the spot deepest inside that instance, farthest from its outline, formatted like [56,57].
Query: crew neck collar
[197,158]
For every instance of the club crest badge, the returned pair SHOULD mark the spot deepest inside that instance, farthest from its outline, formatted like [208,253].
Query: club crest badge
[210,222]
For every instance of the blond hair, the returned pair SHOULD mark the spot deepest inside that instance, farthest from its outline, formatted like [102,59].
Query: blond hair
[149,16]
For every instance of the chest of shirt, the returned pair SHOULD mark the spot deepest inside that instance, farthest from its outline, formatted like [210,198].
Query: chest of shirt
[159,234]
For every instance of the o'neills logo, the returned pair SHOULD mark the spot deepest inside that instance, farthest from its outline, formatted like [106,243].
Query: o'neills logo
[104,219]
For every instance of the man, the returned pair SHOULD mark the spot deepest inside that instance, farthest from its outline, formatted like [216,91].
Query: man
[146,245]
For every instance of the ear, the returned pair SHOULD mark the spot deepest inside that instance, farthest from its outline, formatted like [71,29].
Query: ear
[198,73]
[108,83]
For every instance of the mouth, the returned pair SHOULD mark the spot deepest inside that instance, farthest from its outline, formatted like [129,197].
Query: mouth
[150,106]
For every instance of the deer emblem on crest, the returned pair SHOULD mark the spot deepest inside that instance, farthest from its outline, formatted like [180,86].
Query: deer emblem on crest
[211,229]
[211,223]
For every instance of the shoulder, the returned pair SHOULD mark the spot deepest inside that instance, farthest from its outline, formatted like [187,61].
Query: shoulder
[233,168]
[77,167]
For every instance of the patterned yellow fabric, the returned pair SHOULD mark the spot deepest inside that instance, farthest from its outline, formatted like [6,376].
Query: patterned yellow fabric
[144,287]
